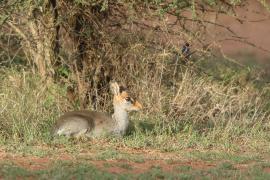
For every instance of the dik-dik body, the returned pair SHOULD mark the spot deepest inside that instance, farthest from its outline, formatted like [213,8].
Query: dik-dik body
[96,124]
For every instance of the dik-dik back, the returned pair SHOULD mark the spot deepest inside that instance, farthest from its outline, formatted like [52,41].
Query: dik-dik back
[95,124]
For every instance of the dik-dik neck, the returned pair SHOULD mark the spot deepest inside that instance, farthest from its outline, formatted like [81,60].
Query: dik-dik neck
[120,116]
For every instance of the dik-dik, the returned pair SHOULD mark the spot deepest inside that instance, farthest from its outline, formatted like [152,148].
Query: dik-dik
[96,124]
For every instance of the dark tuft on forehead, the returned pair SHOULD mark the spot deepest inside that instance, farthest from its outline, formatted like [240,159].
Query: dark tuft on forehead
[122,88]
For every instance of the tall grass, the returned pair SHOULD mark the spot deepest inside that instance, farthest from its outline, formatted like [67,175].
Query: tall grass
[28,106]
[192,108]
[183,105]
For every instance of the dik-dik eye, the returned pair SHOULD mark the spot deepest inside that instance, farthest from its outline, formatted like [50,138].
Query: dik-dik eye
[129,99]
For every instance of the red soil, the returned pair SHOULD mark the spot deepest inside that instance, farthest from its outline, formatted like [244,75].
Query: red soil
[168,162]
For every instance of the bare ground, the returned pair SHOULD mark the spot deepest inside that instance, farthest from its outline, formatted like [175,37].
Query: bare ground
[168,162]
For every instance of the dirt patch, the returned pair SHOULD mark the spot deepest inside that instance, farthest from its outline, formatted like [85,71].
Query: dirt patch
[124,166]
[151,159]
[31,162]
[267,170]
[112,166]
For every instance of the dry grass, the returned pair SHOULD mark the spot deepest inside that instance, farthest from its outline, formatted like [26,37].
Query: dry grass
[192,111]
[28,106]
[183,107]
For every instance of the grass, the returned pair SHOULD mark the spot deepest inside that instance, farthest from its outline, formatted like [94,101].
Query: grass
[194,112]
[221,155]
[71,170]
[183,168]
[196,119]
[110,154]
[125,166]
[210,111]
[59,170]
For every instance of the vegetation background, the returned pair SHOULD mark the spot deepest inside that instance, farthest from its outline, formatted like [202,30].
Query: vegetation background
[57,56]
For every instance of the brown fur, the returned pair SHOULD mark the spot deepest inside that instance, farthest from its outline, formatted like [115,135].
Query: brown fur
[91,123]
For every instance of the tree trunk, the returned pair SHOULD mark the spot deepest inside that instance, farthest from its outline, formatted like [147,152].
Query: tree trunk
[39,33]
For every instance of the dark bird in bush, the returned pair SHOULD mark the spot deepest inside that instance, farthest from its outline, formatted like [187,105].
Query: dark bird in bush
[186,50]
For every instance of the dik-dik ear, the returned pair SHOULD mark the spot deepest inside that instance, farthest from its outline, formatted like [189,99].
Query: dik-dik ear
[122,89]
[115,89]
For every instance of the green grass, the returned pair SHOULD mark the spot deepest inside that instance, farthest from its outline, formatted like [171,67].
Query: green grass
[107,165]
[198,120]
[110,154]
[212,116]
[84,169]
[221,155]
[125,166]
[211,110]
[71,170]
[226,166]
[59,170]
[183,168]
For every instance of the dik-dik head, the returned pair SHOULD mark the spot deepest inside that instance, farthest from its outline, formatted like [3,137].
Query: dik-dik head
[122,99]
